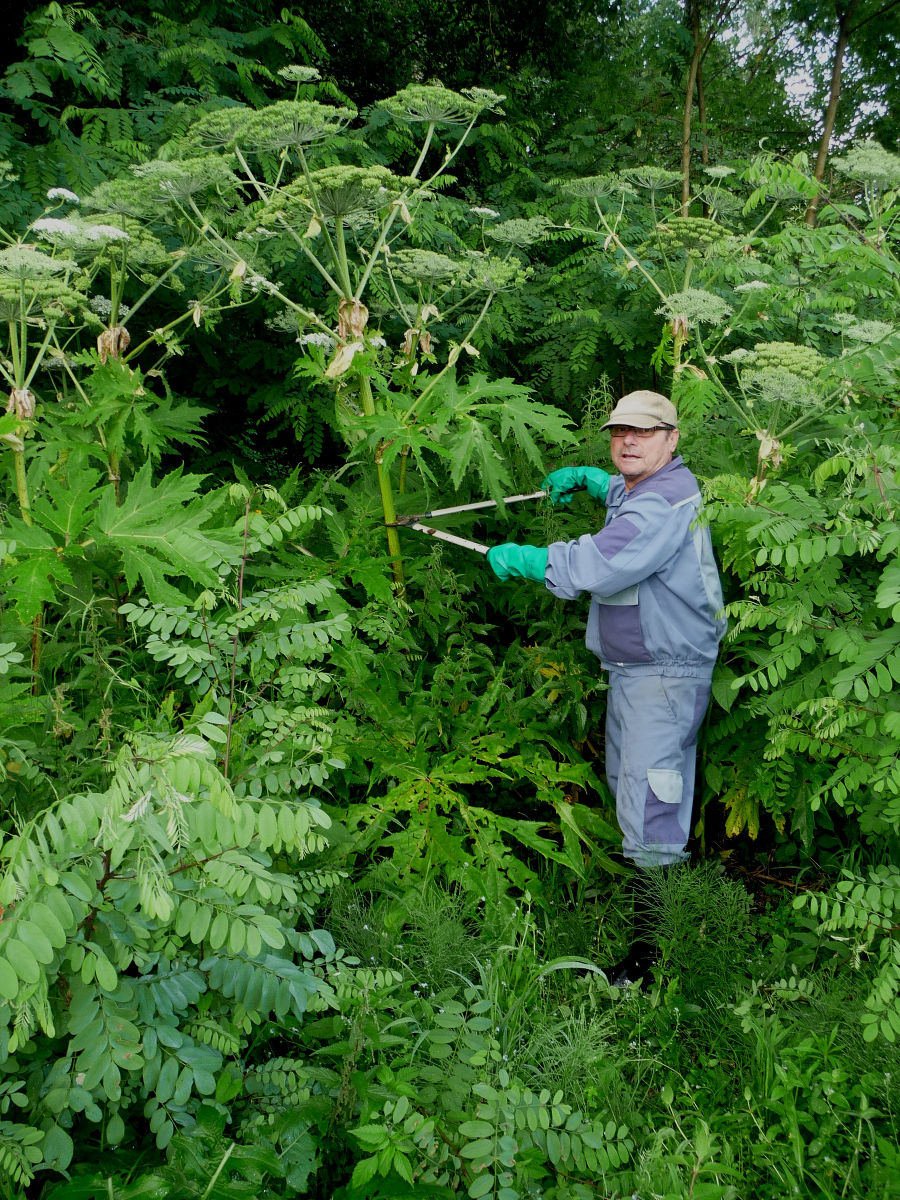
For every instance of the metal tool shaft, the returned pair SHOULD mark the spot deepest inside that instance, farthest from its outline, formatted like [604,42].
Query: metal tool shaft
[449,537]
[445,512]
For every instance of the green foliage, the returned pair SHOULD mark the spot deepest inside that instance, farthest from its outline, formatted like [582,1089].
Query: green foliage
[74,523]
[861,916]
[202,686]
[128,914]
[92,95]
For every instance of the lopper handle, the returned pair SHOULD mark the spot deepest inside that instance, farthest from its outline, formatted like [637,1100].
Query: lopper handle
[449,537]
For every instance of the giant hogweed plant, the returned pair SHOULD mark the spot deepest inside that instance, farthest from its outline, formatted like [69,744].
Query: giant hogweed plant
[74,276]
[372,242]
[82,416]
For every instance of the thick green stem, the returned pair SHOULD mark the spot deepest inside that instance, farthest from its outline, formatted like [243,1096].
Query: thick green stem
[343,269]
[38,357]
[17,351]
[387,495]
[404,460]
[18,373]
[22,484]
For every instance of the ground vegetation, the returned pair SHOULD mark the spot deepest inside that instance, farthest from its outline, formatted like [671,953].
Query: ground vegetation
[309,870]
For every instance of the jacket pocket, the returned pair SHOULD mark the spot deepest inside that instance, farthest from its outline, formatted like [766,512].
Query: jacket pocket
[666,786]
[663,808]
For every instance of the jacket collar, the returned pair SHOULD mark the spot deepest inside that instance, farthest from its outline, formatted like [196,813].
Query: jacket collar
[647,484]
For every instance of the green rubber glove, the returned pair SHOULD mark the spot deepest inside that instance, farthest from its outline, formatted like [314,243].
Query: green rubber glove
[562,483]
[511,561]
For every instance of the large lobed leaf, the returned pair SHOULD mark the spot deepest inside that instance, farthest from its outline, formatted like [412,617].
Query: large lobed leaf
[167,531]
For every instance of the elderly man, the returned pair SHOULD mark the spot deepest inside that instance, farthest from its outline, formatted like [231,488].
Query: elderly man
[654,622]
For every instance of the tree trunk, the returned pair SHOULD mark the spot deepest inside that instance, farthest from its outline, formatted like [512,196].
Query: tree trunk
[704,140]
[701,113]
[702,43]
[692,19]
[831,111]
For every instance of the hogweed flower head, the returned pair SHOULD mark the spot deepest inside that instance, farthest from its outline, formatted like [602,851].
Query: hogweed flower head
[156,184]
[61,193]
[690,233]
[596,187]
[696,307]
[869,162]
[102,306]
[485,99]
[491,274]
[28,262]
[654,179]
[425,266]
[779,387]
[258,131]
[105,233]
[431,104]
[802,361]
[185,178]
[520,231]
[869,332]
[292,123]
[325,340]
[53,228]
[341,192]
[296,73]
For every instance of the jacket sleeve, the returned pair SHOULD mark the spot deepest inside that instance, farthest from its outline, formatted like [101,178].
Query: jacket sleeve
[631,548]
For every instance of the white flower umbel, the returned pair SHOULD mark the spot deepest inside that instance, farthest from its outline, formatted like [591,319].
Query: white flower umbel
[869,331]
[29,263]
[53,227]
[61,193]
[490,213]
[105,233]
[317,339]
[298,74]
[696,306]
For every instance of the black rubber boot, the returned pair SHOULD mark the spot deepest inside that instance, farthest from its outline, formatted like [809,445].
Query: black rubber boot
[643,952]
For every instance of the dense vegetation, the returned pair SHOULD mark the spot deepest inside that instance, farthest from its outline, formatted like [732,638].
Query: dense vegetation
[309,871]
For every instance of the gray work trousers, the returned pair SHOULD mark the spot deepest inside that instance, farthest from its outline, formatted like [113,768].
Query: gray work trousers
[652,722]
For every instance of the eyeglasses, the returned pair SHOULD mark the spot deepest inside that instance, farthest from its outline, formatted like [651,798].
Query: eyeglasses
[618,431]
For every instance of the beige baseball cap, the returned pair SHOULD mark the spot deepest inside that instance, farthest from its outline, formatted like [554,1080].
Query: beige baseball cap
[643,410]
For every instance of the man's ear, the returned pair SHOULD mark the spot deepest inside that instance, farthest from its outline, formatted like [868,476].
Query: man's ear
[673,439]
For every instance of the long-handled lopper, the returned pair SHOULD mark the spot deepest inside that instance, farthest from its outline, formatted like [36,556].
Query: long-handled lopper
[414,521]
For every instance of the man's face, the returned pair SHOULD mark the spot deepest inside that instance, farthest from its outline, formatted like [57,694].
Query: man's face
[638,457]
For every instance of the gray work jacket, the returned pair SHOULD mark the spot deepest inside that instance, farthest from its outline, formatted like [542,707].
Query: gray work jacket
[656,599]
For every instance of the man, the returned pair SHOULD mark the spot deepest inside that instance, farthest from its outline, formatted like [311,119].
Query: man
[654,622]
